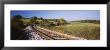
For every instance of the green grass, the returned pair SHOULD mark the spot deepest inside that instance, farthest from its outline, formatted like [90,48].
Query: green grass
[25,20]
[86,30]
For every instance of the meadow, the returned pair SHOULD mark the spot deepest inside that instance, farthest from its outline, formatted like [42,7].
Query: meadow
[89,31]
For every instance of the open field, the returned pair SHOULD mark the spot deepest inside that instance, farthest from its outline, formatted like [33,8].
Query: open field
[86,30]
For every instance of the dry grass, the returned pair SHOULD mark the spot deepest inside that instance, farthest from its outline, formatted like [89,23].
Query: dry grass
[86,30]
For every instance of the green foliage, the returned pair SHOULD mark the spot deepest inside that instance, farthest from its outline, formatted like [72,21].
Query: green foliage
[17,17]
[33,19]
[26,21]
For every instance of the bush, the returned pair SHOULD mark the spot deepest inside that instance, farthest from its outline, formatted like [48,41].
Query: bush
[16,27]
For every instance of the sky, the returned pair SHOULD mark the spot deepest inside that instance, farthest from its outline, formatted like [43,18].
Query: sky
[69,15]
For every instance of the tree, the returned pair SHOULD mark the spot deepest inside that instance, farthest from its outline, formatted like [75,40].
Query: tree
[62,21]
[33,20]
[35,17]
[17,17]
[41,18]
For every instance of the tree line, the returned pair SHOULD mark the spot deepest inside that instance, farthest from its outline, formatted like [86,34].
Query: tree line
[91,21]
[47,22]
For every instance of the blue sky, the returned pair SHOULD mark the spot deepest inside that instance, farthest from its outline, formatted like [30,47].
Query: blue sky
[69,15]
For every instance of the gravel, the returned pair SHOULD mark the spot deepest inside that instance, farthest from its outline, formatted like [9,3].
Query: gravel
[31,35]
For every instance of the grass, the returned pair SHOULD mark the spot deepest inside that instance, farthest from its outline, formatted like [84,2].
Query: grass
[86,30]
[89,31]
[25,20]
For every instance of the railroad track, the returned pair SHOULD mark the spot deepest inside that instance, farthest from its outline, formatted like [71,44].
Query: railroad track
[44,36]
[52,35]
[48,35]
[39,33]
[33,34]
